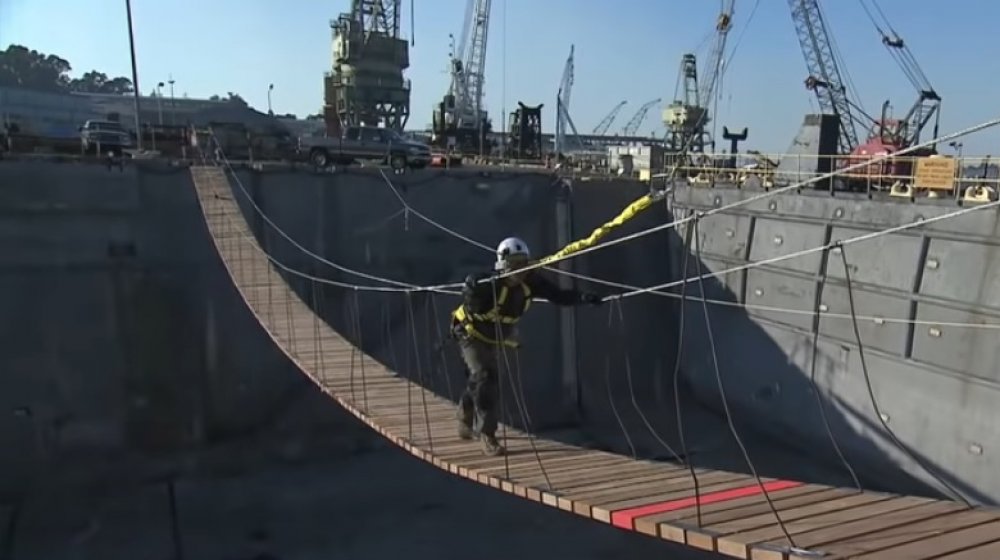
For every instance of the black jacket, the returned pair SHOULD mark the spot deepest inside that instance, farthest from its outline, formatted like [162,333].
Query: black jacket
[479,295]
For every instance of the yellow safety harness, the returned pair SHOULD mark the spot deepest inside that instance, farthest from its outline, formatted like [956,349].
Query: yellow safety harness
[468,319]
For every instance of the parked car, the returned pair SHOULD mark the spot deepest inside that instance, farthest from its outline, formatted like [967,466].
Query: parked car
[110,136]
[364,143]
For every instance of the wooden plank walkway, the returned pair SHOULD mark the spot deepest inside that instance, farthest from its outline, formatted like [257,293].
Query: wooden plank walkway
[654,498]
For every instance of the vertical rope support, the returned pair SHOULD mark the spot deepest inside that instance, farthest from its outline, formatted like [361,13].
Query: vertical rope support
[523,405]
[286,295]
[444,359]
[722,389]
[522,409]
[871,391]
[820,401]
[361,345]
[269,275]
[631,386]
[501,412]
[519,404]
[236,226]
[686,252]
[611,396]
[350,312]
[420,370]
[317,307]
[317,350]
[409,386]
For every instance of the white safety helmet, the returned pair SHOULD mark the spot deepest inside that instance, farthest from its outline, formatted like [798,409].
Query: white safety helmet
[509,247]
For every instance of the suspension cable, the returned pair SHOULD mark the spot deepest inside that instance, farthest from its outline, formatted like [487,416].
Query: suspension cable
[787,256]
[631,387]
[677,371]
[611,398]
[871,393]
[820,401]
[722,388]
[431,312]
[641,233]
[518,399]
[420,370]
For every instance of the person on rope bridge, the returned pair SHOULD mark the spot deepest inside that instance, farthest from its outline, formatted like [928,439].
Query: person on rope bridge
[485,321]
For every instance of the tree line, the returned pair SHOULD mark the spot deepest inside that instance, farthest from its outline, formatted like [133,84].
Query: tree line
[31,69]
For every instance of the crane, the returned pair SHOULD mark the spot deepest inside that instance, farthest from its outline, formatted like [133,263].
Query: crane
[603,126]
[686,118]
[908,129]
[461,114]
[366,86]
[635,122]
[824,71]
[713,69]
[886,135]
[563,119]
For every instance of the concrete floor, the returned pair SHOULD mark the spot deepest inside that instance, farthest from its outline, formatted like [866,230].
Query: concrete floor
[379,503]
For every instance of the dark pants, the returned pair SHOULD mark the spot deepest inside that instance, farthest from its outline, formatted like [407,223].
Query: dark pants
[478,405]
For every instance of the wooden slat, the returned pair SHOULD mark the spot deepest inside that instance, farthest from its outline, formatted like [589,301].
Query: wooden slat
[655,498]
[979,552]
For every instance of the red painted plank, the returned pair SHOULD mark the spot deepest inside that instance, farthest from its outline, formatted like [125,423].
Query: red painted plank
[624,518]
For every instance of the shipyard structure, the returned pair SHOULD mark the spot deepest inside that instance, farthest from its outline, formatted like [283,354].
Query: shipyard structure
[827,315]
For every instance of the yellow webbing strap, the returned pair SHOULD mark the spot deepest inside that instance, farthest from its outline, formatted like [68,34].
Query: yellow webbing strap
[627,214]
[463,318]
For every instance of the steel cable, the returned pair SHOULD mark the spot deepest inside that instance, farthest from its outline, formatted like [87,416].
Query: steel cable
[815,386]
[611,397]
[675,379]
[420,370]
[631,388]
[871,393]
[722,388]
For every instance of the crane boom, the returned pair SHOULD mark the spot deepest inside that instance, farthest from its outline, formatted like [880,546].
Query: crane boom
[468,66]
[460,120]
[475,58]
[928,101]
[603,126]
[824,75]
[633,124]
[713,66]
[563,120]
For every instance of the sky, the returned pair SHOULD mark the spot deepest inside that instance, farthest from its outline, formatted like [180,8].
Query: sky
[624,50]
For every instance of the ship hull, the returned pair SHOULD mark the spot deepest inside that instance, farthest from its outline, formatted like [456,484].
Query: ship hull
[934,383]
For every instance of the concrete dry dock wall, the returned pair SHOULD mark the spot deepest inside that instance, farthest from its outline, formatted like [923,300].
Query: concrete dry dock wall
[121,333]
[935,382]
[355,218]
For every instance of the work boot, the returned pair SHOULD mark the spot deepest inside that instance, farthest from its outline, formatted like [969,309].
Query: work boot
[491,446]
[465,431]
[464,425]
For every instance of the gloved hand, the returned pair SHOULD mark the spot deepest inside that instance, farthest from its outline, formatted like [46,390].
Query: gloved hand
[592,299]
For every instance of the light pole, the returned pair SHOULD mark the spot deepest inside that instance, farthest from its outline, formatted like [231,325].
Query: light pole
[270,88]
[173,108]
[135,76]
[159,102]
[957,146]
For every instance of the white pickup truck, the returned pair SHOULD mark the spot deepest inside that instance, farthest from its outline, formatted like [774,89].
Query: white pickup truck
[364,143]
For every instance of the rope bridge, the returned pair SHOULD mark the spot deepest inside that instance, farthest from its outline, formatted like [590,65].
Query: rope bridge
[744,516]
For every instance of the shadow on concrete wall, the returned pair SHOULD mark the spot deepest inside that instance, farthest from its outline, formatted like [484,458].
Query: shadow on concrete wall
[126,349]
[770,394]
[355,219]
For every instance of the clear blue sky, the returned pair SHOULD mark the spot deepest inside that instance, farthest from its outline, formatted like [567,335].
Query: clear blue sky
[625,49]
